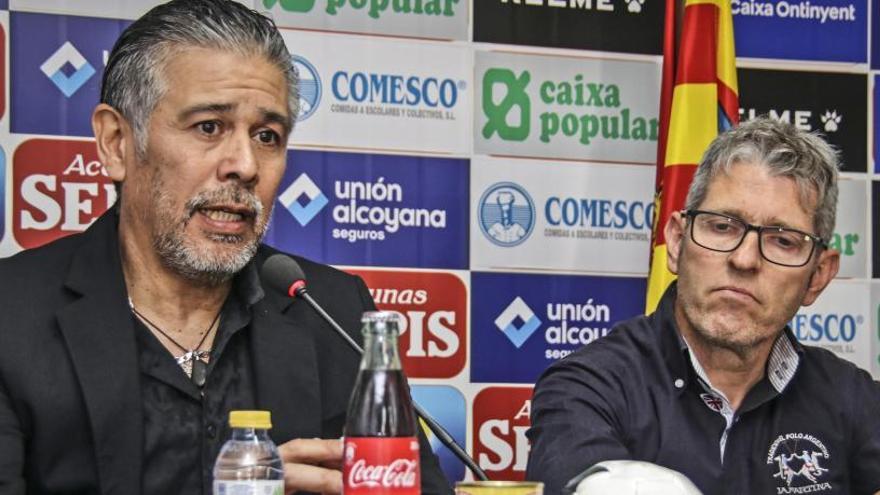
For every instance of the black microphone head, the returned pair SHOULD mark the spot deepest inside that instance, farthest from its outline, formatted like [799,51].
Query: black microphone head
[283,273]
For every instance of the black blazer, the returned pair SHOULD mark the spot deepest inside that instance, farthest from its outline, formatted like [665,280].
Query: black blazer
[70,405]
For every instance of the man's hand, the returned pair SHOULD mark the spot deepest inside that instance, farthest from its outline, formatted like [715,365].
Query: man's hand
[312,465]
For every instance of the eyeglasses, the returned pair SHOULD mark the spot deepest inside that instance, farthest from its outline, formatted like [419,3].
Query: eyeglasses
[779,245]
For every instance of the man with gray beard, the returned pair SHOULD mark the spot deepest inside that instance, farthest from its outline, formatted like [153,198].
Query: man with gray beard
[123,349]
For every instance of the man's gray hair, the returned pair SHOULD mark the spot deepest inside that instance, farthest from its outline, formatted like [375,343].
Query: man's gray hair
[134,80]
[786,151]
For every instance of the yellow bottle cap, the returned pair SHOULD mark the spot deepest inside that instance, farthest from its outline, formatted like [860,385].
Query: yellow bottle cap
[250,419]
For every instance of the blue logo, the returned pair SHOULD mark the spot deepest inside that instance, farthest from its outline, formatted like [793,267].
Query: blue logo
[837,30]
[309,87]
[517,311]
[395,89]
[57,62]
[446,405]
[314,199]
[506,214]
[544,317]
[825,327]
[54,67]
[374,210]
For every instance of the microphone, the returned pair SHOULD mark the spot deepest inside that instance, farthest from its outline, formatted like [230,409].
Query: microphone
[284,274]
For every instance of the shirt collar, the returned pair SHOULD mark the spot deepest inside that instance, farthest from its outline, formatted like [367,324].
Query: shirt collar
[246,285]
[781,365]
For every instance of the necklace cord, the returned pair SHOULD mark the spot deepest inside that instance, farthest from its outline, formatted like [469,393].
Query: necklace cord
[156,327]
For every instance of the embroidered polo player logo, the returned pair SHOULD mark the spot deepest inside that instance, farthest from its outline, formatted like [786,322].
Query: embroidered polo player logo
[798,458]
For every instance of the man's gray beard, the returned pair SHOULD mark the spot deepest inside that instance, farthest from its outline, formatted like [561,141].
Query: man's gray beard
[201,266]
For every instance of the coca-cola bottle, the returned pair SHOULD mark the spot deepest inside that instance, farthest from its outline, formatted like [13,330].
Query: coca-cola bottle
[381,454]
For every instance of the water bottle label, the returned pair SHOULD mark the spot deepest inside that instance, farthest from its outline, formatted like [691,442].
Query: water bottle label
[252,487]
[381,465]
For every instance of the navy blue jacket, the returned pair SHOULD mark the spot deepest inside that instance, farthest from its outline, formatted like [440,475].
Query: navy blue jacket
[635,395]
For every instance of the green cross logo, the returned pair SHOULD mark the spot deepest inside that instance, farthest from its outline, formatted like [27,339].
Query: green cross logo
[516,96]
[291,5]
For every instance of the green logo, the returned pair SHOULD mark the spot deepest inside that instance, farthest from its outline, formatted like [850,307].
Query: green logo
[578,109]
[375,8]
[291,5]
[516,97]
[844,243]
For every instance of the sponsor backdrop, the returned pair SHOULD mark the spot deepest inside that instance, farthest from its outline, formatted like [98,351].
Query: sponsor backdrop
[486,166]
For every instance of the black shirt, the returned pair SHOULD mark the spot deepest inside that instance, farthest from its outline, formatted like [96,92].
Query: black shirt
[184,426]
[636,395]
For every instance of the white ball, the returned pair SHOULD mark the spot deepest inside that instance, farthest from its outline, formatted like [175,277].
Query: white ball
[634,478]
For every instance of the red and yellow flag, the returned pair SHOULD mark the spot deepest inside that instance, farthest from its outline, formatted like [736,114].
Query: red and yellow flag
[698,99]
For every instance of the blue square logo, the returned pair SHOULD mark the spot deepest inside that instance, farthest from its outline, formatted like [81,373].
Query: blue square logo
[373,210]
[522,323]
[58,62]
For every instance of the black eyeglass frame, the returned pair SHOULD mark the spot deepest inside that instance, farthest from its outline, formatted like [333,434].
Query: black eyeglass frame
[692,214]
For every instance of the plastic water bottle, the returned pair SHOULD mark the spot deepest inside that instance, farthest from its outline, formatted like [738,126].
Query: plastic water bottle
[248,463]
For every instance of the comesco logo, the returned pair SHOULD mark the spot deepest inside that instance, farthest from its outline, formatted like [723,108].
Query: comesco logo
[395,89]
[309,87]
[605,116]
[67,69]
[501,420]
[433,339]
[59,188]
[376,7]
[506,214]
[830,327]
[603,213]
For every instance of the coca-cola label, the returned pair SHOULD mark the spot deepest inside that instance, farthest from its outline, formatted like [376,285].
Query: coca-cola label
[375,465]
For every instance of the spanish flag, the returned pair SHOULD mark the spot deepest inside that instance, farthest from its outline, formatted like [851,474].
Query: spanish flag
[698,99]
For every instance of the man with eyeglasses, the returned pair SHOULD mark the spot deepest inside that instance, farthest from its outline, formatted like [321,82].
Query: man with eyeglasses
[714,384]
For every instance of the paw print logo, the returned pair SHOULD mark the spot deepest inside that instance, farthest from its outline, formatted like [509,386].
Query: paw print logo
[831,120]
[635,6]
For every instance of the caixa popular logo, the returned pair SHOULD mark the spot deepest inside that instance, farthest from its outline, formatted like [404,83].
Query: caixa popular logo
[374,8]
[433,306]
[447,405]
[57,62]
[357,209]
[523,323]
[58,188]
[826,328]
[506,214]
[579,110]
[501,420]
[309,87]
